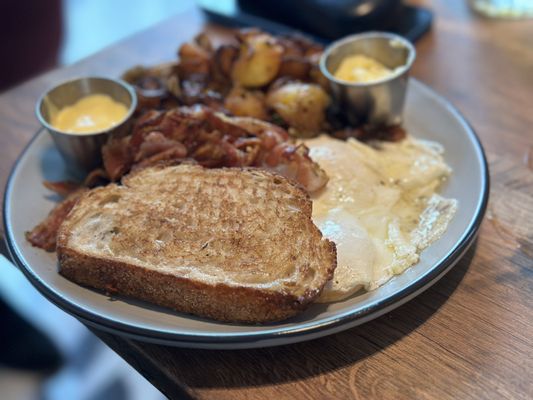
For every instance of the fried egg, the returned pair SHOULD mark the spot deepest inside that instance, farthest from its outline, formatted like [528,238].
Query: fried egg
[380,207]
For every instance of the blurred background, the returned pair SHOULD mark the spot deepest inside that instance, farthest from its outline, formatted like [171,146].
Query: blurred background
[42,34]
[44,353]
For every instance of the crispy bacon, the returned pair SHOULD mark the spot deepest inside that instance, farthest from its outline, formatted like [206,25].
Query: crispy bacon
[173,155]
[213,140]
[44,235]
[155,142]
[117,157]
[62,188]
[96,177]
[294,163]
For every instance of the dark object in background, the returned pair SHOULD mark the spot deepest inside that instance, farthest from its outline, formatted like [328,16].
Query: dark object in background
[326,20]
[31,33]
[22,346]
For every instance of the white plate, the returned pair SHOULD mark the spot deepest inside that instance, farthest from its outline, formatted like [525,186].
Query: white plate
[427,116]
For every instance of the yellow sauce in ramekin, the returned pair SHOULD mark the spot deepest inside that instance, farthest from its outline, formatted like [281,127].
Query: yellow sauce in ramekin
[361,69]
[93,113]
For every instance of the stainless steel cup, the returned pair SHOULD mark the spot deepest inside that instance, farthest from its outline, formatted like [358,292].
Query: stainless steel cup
[82,151]
[377,103]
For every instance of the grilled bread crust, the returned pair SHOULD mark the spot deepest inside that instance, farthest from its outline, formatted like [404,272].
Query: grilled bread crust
[230,244]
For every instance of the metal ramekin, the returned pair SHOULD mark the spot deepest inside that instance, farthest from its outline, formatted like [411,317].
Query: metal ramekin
[377,103]
[82,151]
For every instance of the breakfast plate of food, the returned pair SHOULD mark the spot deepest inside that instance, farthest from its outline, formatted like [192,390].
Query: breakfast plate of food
[259,191]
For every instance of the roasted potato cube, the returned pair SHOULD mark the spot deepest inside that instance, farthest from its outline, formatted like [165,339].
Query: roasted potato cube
[295,68]
[246,103]
[301,105]
[193,60]
[258,62]
[204,41]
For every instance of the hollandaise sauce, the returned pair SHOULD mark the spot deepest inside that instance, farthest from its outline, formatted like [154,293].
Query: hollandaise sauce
[92,113]
[361,69]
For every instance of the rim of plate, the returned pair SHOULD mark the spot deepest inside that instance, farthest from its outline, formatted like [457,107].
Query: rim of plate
[290,333]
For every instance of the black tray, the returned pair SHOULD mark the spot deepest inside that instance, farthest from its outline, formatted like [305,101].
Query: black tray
[412,22]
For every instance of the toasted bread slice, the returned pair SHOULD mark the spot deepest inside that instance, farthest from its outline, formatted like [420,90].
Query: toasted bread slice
[230,244]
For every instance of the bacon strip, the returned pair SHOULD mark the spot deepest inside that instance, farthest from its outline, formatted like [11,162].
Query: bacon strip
[62,188]
[213,140]
[44,235]
[117,157]
[95,178]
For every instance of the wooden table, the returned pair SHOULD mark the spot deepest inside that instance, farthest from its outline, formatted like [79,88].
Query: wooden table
[468,337]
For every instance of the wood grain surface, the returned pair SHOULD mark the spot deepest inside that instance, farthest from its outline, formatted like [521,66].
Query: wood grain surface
[468,337]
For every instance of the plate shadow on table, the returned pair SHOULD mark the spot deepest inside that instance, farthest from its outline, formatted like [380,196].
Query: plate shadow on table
[268,366]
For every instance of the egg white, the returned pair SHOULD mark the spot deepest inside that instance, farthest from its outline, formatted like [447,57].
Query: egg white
[380,207]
